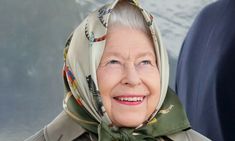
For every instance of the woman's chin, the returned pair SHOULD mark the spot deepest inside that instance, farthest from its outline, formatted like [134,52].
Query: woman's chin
[128,120]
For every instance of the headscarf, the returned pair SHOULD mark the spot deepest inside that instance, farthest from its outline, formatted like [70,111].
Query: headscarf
[82,55]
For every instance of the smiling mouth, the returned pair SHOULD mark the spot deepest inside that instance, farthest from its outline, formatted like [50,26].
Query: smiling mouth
[130,100]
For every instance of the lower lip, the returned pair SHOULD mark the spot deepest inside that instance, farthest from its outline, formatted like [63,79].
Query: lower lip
[129,103]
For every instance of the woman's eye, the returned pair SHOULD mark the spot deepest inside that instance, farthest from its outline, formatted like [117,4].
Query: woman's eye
[146,62]
[113,62]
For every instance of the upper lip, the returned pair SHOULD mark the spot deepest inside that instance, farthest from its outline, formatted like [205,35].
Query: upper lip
[131,95]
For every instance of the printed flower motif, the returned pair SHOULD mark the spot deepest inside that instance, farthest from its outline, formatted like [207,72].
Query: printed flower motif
[96,94]
[71,78]
[91,85]
[102,12]
[91,37]
[150,22]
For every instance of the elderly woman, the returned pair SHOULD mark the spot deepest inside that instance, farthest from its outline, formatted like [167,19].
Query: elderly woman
[116,76]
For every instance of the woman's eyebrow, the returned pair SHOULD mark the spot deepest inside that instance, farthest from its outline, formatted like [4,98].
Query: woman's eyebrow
[144,54]
[119,55]
[111,54]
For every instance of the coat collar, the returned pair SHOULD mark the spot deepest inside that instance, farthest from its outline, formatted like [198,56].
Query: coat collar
[63,128]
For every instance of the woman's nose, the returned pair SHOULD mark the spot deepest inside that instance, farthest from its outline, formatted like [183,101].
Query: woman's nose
[131,76]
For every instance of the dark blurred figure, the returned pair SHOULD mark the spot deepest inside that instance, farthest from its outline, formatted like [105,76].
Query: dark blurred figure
[205,80]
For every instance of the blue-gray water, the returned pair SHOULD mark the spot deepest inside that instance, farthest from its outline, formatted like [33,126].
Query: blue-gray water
[32,36]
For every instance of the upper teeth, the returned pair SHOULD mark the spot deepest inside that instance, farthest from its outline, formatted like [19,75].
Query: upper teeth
[130,98]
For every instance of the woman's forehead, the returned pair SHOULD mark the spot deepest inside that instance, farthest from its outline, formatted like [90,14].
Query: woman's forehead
[124,39]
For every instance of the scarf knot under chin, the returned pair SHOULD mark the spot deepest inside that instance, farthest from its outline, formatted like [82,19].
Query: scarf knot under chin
[107,133]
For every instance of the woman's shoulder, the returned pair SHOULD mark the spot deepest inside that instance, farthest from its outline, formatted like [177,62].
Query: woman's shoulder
[188,135]
[39,136]
[62,128]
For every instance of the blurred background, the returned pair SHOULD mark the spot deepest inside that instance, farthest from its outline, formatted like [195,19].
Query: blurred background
[32,38]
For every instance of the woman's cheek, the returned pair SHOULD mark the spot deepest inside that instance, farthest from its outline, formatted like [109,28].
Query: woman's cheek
[108,77]
[109,73]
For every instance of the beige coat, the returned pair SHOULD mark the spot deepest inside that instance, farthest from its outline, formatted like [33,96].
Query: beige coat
[64,128]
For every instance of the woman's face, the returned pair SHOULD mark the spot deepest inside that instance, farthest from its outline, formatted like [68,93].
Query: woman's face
[128,77]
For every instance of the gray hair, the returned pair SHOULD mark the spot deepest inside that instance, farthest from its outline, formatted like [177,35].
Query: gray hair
[127,15]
